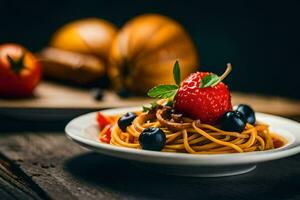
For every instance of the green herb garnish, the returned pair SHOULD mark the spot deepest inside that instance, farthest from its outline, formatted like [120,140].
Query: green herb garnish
[176,73]
[152,106]
[167,91]
[209,80]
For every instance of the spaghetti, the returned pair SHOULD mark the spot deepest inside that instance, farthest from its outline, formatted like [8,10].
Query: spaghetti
[186,135]
[203,96]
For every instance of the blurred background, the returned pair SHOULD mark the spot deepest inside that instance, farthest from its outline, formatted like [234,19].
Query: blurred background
[259,38]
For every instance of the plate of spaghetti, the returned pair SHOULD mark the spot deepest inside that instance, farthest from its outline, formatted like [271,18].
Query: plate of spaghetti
[191,129]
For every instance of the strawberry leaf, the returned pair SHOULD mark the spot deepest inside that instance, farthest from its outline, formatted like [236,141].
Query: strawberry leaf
[176,73]
[163,91]
[209,80]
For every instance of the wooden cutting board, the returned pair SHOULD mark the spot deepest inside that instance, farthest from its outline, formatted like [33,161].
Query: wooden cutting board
[52,96]
[55,96]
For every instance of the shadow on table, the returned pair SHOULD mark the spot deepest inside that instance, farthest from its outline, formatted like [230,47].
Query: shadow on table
[12,125]
[121,177]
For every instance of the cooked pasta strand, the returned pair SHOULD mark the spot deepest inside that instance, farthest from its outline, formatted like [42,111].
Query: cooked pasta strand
[194,137]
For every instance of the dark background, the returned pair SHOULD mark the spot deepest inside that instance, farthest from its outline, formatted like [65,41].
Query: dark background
[260,39]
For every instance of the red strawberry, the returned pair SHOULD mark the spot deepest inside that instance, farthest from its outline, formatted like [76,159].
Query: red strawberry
[207,103]
[200,96]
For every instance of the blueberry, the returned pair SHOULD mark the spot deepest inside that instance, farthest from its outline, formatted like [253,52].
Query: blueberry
[126,120]
[153,139]
[233,121]
[98,94]
[247,112]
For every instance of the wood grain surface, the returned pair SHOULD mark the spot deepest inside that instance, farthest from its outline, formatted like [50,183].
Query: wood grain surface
[53,95]
[65,171]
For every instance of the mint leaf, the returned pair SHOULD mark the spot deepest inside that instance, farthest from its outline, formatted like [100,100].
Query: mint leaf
[153,105]
[176,73]
[163,91]
[209,80]
[146,109]
[170,103]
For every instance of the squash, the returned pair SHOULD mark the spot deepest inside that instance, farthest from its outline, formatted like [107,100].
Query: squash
[79,51]
[144,52]
[91,36]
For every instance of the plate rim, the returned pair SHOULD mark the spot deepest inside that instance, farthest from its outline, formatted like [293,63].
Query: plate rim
[194,159]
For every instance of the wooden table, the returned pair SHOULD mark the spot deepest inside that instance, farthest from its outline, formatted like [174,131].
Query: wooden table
[37,161]
[40,164]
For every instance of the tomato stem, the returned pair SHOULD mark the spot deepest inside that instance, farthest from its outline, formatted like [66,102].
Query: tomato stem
[17,65]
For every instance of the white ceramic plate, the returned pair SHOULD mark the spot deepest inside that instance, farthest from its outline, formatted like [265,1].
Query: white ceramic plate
[84,131]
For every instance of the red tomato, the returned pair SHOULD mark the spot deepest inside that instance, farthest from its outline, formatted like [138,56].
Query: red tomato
[20,71]
[106,136]
[277,143]
[102,120]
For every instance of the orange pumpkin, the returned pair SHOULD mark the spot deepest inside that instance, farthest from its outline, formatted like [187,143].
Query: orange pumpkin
[144,52]
[91,36]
